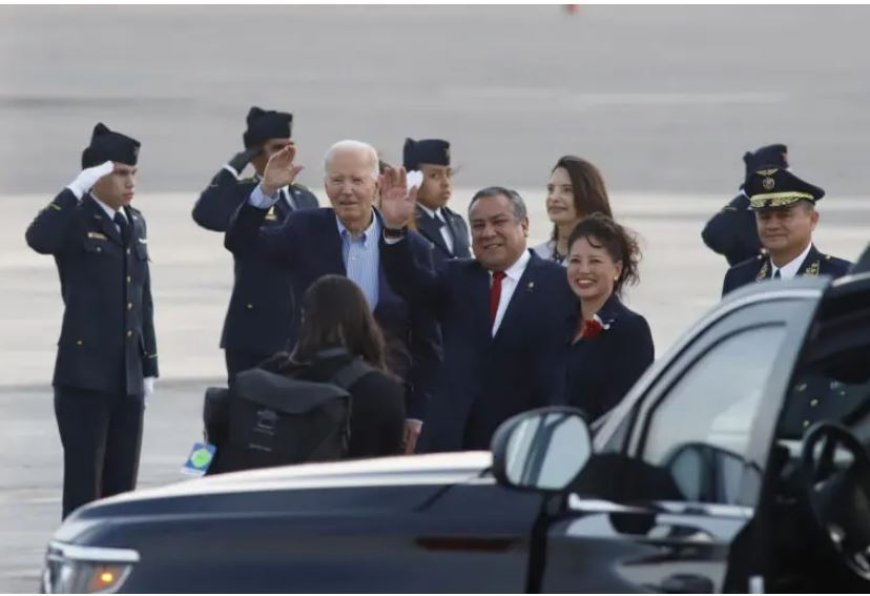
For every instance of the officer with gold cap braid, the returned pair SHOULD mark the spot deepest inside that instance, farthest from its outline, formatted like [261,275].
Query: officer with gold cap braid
[107,353]
[732,231]
[260,314]
[785,214]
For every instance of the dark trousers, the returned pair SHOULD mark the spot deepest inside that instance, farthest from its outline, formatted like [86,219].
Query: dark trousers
[101,434]
[239,360]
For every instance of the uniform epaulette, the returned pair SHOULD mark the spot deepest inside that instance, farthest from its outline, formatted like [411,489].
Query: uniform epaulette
[247,180]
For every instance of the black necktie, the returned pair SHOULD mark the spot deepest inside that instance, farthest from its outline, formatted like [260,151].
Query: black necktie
[121,222]
[777,275]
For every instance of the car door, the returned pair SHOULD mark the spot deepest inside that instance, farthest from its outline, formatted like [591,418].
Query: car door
[646,515]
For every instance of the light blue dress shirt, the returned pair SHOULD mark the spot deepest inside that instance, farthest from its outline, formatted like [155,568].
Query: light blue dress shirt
[362,257]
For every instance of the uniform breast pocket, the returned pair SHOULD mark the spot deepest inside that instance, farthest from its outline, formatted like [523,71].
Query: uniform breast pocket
[95,246]
[141,250]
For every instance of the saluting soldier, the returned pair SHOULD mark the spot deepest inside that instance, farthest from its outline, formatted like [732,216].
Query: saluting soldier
[107,355]
[786,216]
[260,314]
[732,232]
[445,229]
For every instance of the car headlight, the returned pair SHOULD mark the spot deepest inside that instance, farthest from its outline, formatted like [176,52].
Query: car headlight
[72,569]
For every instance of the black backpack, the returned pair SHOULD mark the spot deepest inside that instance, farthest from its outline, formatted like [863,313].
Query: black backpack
[275,420]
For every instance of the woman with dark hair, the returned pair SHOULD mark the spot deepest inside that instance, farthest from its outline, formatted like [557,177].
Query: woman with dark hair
[612,346]
[337,326]
[575,190]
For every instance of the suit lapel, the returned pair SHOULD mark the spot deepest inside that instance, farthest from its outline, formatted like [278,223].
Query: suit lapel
[526,288]
[102,219]
[430,228]
[332,250]
[457,230]
[812,263]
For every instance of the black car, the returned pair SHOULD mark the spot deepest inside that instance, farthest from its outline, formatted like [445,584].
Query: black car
[737,463]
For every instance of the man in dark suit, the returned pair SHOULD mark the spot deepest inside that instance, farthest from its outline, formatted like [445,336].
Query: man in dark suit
[505,316]
[343,240]
[732,232]
[440,225]
[786,216]
[107,354]
[259,317]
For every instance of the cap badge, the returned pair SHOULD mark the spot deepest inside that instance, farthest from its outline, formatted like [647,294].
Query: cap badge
[768,183]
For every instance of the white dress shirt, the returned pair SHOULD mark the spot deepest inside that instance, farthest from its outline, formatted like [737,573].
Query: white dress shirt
[508,285]
[790,269]
[109,211]
[445,231]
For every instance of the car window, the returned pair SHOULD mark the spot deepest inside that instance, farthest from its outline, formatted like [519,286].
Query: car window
[700,432]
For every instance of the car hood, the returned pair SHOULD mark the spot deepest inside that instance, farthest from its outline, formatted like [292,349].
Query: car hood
[438,468]
[394,483]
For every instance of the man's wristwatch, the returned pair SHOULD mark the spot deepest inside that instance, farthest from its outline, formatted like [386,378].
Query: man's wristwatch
[395,233]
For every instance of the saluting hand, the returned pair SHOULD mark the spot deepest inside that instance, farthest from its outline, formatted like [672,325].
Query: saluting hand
[280,171]
[397,200]
[88,177]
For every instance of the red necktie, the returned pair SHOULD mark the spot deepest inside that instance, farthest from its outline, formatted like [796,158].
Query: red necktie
[495,293]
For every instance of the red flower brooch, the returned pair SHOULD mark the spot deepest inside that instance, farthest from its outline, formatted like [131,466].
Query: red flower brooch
[592,329]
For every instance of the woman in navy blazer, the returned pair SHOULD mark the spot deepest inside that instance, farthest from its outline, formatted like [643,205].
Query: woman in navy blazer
[612,346]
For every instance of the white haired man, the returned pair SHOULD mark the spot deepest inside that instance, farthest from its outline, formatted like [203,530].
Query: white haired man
[344,239]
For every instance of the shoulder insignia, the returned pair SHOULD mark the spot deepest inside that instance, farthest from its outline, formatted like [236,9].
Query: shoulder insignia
[55,206]
[246,180]
[827,257]
[813,269]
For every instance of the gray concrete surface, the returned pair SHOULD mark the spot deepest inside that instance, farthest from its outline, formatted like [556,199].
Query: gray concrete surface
[664,99]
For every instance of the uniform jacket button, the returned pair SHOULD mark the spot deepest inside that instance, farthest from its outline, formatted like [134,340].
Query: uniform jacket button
[129,334]
[80,342]
[250,307]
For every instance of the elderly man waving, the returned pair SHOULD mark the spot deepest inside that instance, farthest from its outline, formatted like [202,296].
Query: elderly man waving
[343,239]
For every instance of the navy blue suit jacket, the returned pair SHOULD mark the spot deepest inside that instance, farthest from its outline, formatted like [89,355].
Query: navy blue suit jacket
[732,232]
[430,228]
[107,341]
[259,317]
[758,268]
[308,246]
[485,379]
[601,370]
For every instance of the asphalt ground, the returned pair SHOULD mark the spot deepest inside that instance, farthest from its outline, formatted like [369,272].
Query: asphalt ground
[663,99]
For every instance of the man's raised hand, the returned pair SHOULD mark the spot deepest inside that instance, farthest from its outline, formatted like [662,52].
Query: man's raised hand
[397,200]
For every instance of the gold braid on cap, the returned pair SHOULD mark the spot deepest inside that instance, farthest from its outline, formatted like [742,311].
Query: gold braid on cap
[778,199]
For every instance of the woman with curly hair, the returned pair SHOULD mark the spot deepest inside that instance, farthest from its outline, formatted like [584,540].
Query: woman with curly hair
[575,190]
[612,345]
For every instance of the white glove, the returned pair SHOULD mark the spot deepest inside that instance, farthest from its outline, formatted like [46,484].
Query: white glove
[148,387]
[88,177]
[414,178]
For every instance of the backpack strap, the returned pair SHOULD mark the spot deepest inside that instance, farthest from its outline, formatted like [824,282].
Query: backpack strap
[352,372]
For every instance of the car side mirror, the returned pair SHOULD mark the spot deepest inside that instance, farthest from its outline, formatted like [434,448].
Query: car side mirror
[543,449]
